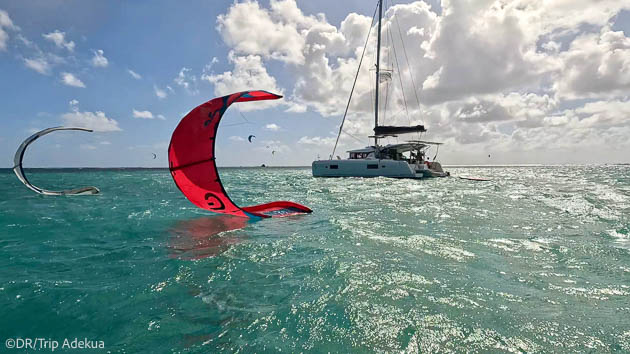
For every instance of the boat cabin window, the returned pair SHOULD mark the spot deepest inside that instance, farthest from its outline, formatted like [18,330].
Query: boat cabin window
[392,154]
[372,166]
[334,167]
[358,155]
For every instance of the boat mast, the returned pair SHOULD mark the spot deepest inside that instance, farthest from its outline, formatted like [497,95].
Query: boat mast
[378,62]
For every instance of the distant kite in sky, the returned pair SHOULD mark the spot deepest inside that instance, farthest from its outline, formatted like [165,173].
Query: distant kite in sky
[154,156]
[19,170]
[191,158]
[249,138]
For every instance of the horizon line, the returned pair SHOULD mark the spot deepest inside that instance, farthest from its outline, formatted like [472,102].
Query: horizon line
[306,166]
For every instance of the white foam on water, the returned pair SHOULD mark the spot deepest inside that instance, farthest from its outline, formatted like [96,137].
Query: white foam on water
[593,292]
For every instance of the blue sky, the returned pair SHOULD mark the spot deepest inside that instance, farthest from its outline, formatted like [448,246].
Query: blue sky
[155,39]
[63,62]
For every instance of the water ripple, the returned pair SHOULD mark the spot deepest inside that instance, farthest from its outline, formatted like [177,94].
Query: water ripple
[535,260]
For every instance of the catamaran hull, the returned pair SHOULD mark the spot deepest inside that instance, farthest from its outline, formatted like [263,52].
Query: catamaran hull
[364,168]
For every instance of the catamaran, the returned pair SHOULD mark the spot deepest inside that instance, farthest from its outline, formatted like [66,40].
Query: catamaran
[400,160]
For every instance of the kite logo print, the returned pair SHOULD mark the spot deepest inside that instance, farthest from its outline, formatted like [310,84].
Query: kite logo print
[214,203]
[211,115]
[217,112]
[207,122]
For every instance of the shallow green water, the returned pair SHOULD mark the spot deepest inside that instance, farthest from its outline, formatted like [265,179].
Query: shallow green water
[536,260]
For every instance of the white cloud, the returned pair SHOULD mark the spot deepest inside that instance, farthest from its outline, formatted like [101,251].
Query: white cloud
[96,121]
[601,124]
[134,74]
[491,55]
[5,20]
[105,142]
[317,141]
[268,146]
[5,23]
[59,38]
[40,65]
[498,54]
[87,147]
[181,78]
[28,43]
[42,62]
[297,108]
[595,65]
[489,74]
[273,127]
[248,73]
[143,114]
[601,114]
[236,138]
[306,43]
[208,67]
[186,80]
[161,94]
[99,60]
[71,80]
[146,115]
[264,36]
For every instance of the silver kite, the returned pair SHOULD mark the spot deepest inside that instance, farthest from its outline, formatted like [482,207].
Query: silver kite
[19,171]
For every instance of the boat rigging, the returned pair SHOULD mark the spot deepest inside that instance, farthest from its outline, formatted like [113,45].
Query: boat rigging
[400,160]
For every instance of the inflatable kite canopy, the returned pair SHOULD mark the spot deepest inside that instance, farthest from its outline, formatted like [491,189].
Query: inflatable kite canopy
[19,170]
[192,163]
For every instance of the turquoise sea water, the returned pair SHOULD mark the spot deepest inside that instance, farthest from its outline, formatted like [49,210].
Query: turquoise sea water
[536,260]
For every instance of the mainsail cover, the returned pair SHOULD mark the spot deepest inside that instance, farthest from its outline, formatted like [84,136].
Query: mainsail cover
[384,130]
[19,171]
[192,163]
